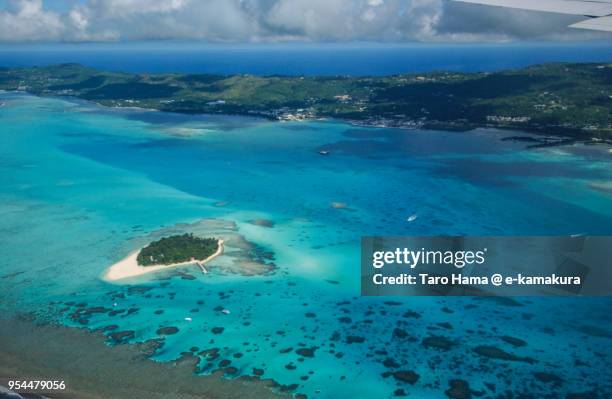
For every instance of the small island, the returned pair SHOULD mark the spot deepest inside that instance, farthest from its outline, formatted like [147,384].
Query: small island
[177,249]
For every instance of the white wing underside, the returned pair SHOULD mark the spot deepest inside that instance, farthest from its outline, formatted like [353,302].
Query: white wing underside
[599,11]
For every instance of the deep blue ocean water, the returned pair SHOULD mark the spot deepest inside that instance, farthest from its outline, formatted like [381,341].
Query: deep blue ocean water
[303,59]
[82,186]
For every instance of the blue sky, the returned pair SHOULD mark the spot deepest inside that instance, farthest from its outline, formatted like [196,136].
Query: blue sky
[254,21]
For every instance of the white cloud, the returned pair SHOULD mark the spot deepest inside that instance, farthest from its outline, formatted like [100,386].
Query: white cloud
[26,20]
[274,20]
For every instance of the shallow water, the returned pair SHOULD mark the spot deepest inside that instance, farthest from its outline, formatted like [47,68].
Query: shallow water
[82,186]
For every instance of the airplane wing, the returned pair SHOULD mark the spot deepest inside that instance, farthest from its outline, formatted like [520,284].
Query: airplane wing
[600,11]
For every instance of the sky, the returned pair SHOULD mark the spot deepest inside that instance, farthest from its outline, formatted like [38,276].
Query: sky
[272,21]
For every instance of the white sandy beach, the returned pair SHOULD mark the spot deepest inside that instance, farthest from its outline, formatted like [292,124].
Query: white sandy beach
[129,267]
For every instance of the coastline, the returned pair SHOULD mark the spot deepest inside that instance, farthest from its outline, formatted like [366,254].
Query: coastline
[93,370]
[128,267]
[571,135]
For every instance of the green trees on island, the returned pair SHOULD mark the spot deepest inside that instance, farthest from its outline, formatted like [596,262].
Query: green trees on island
[555,98]
[176,249]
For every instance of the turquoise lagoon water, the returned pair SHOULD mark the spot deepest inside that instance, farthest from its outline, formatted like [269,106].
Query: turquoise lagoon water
[82,186]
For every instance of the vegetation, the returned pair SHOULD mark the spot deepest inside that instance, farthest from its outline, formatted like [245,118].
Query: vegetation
[176,249]
[552,98]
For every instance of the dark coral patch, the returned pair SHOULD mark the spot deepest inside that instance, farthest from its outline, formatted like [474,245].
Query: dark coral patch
[548,378]
[494,352]
[390,363]
[151,346]
[354,339]
[262,222]
[459,389]
[516,342]
[438,342]
[306,352]
[167,330]
[120,337]
[407,376]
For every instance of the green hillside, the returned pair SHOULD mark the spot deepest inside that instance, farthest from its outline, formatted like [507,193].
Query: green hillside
[552,98]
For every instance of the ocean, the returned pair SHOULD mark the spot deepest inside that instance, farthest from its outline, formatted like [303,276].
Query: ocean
[302,58]
[83,186]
